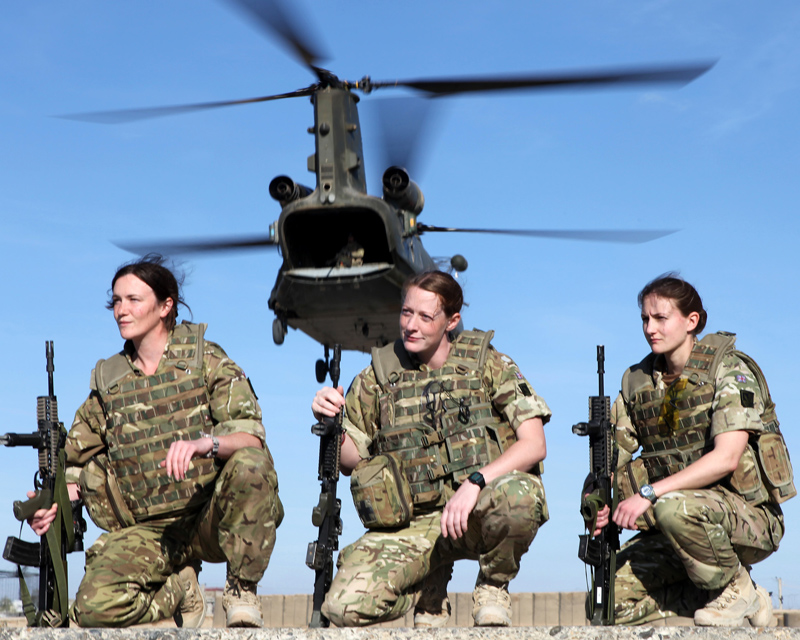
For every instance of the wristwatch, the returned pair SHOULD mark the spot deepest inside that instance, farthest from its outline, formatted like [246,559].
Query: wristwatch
[477,478]
[647,491]
[214,445]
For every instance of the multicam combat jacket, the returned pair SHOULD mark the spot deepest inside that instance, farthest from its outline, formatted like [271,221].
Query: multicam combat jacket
[126,427]
[675,425]
[497,395]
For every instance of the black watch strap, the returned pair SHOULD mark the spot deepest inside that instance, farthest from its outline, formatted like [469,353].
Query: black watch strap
[477,478]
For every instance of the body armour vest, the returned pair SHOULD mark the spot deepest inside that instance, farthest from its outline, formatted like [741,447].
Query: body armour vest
[673,424]
[145,414]
[440,423]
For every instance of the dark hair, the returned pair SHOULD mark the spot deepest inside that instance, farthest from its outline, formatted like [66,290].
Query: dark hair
[683,295]
[442,284]
[150,269]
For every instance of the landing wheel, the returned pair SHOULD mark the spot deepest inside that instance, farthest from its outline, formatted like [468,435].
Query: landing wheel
[321,370]
[278,331]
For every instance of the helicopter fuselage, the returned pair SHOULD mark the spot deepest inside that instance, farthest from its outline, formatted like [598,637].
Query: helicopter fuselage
[319,289]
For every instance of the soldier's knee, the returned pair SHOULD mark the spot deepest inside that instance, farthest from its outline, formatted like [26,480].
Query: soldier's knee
[248,466]
[674,512]
[518,499]
[89,610]
[343,615]
[334,611]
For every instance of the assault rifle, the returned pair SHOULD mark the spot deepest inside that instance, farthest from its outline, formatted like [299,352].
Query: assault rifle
[66,531]
[600,552]
[326,515]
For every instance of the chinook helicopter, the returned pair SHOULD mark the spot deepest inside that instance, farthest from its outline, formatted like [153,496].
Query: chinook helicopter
[346,253]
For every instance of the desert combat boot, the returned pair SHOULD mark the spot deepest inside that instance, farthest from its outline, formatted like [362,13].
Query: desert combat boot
[491,605]
[191,611]
[433,607]
[241,604]
[737,601]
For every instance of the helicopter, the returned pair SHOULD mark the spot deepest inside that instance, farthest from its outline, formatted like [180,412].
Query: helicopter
[346,253]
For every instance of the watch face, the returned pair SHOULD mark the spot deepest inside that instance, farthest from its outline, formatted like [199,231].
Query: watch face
[647,492]
[477,478]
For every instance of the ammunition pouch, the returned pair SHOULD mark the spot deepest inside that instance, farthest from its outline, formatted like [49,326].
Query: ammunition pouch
[631,478]
[381,493]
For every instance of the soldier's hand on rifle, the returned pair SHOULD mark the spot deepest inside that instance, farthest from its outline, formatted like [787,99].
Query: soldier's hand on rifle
[602,520]
[41,519]
[327,402]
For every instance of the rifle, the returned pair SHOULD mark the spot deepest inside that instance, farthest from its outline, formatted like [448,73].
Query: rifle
[600,552]
[66,531]
[326,515]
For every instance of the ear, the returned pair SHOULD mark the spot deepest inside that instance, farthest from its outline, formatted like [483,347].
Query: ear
[166,307]
[692,319]
[452,323]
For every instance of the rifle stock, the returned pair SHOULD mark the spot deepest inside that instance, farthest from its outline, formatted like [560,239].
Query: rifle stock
[599,552]
[327,514]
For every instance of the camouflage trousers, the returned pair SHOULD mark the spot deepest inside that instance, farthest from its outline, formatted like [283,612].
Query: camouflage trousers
[131,574]
[378,575]
[703,537]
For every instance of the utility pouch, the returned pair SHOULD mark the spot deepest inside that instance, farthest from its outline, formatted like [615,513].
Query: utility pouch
[746,480]
[776,467]
[381,493]
[631,478]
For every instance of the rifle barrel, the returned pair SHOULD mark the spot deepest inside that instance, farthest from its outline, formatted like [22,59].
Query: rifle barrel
[21,440]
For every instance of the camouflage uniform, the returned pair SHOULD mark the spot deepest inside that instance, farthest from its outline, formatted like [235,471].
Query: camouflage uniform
[131,571]
[379,575]
[701,536]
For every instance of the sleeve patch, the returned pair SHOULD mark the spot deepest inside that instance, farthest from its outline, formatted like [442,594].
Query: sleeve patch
[741,378]
[748,398]
[525,389]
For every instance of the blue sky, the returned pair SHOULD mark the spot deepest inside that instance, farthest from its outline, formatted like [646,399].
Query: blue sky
[716,159]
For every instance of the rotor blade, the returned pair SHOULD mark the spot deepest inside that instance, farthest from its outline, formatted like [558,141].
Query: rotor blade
[121,116]
[625,236]
[401,124]
[199,246]
[678,74]
[273,16]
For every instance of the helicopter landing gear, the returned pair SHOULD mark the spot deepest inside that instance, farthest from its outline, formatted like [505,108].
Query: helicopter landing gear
[322,367]
[278,330]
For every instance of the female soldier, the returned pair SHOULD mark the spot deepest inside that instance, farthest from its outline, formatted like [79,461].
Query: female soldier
[701,414]
[456,434]
[169,454]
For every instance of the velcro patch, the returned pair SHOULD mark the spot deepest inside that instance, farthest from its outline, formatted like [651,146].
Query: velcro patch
[525,389]
[741,378]
[748,398]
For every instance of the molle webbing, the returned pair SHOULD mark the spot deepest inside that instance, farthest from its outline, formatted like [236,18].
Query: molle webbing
[146,414]
[672,424]
[461,435]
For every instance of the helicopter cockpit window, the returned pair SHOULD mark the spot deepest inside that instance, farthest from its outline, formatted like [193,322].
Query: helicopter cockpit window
[343,238]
